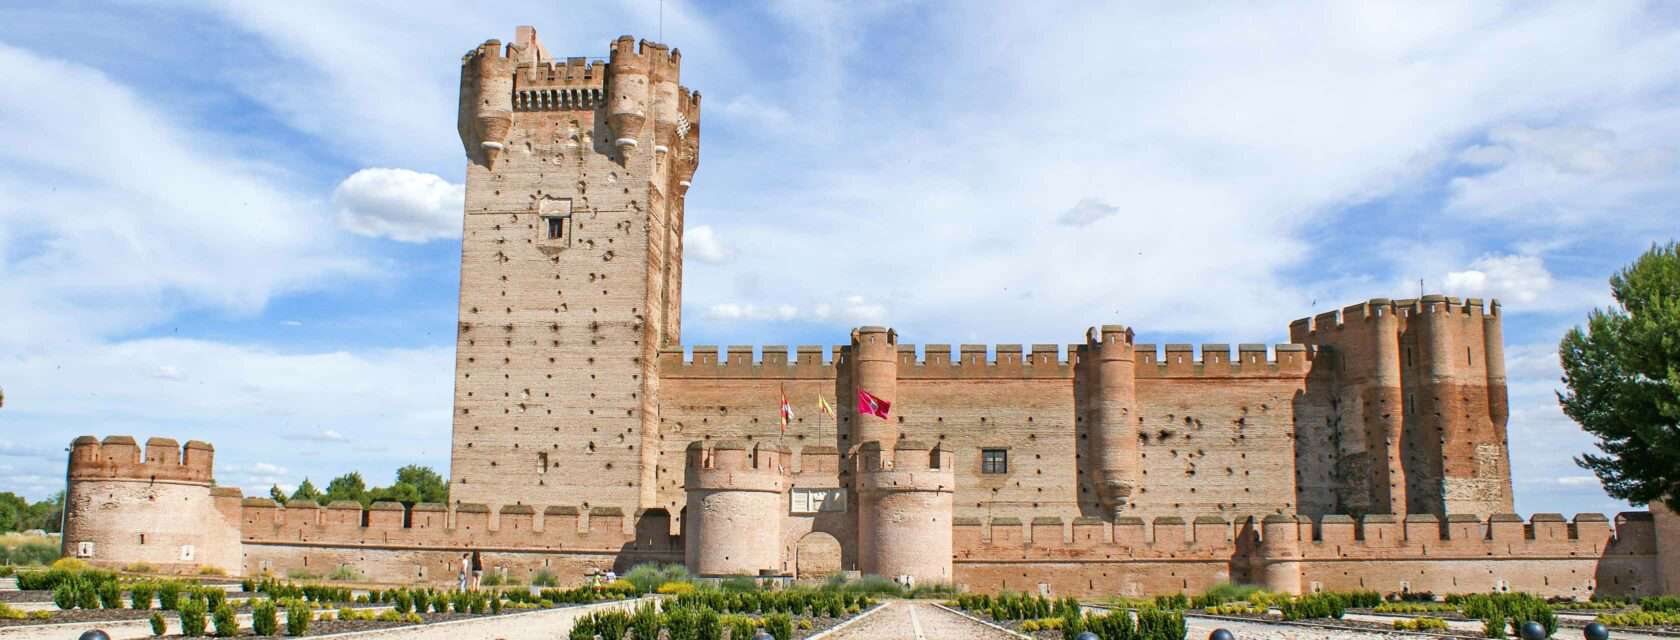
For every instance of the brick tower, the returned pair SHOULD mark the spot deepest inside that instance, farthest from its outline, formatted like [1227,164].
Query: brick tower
[571,270]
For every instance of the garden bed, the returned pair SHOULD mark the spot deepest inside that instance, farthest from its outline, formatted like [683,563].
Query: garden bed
[81,615]
[1338,623]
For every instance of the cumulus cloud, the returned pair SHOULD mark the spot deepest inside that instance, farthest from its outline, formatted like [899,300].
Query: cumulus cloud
[1523,284]
[702,243]
[1086,211]
[1521,279]
[403,205]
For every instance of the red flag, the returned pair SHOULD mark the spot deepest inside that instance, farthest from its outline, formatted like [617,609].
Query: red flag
[787,410]
[868,403]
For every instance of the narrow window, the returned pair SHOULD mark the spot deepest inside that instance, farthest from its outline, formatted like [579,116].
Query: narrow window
[556,228]
[994,461]
[542,462]
[1467,359]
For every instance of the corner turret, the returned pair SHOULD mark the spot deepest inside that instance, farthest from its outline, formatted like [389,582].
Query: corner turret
[905,509]
[736,499]
[875,358]
[485,114]
[162,508]
[1111,398]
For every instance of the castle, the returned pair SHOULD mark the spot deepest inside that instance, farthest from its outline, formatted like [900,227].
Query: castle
[1368,453]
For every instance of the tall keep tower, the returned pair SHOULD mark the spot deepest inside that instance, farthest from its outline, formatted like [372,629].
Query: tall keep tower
[571,270]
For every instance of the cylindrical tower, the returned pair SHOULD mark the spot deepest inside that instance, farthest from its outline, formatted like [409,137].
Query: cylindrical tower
[486,108]
[1493,348]
[627,94]
[1113,430]
[1280,554]
[1384,407]
[160,509]
[736,497]
[904,512]
[875,358]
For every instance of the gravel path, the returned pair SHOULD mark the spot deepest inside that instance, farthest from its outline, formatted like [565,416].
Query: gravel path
[910,620]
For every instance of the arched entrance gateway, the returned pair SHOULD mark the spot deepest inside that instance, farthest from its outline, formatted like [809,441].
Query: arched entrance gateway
[816,555]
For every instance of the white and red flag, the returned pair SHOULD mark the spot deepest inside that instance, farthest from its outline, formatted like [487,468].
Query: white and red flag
[787,410]
[868,403]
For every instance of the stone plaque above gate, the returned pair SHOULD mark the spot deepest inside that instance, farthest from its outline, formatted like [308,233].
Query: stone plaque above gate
[818,500]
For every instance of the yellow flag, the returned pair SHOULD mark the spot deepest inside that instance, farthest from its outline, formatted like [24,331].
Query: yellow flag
[822,404]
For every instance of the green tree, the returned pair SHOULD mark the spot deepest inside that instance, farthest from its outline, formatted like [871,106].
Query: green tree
[1623,374]
[307,491]
[432,487]
[348,487]
[278,494]
[46,514]
[399,492]
[14,512]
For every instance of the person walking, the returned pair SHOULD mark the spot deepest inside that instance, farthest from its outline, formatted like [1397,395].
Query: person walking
[466,569]
[477,569]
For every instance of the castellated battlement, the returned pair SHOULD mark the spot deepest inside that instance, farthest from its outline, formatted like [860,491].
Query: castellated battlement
[466,525]
[120,458]
[980,361]
[1330,536]
[1217,361]
[732,465]
[1376,308]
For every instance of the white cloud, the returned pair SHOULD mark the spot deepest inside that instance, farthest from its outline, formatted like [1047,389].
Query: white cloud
[1086,211]
[702,243]
[1577,481]
[1520,279]
[853,310]
[1523,284]
[113,226]
[403,205]
[253,406]
[1573,174]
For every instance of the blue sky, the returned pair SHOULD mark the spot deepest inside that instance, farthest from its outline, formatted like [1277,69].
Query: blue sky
[239,221]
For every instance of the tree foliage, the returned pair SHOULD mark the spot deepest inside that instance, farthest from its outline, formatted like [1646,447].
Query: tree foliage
[307,491]
[414,483]
[18,514]
[1623,374]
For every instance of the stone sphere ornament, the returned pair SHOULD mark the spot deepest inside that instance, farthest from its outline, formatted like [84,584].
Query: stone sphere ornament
[1532,630]
[762,635]
[1221,634]
[1086,636]
[94,634]
[1596,631]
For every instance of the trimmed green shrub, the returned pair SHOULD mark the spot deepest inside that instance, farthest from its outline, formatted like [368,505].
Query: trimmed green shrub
[1494,627]
[297,618]
[265,618]
[226,621]
[169,595]
[110,595]
[192,614]
[159,626]
[544,578]
[140,594]
[779,625]
[65,596]
[1666,604]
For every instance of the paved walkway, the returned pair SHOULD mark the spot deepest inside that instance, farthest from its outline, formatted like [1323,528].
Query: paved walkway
[911,620]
